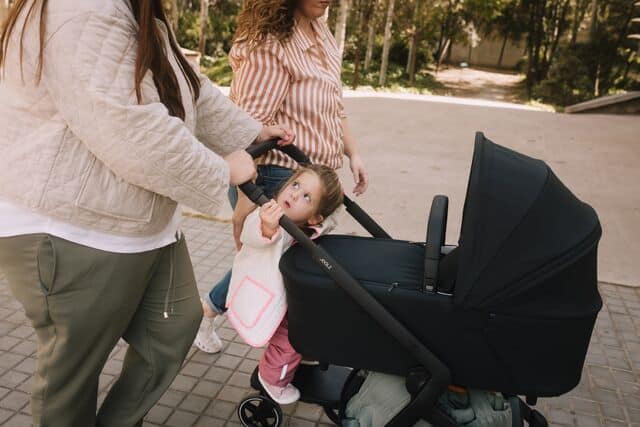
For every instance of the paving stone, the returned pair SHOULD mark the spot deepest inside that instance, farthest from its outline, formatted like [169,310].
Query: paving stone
[612,411]
[183,383]
[13,379]
[297,422]
[9,360]
[586,406]
[217,374]
[172,398]
[237,349]
[19,420]
[240,379]
[207,389]
[205,421]
[182,419]
[15,400]
[561,417]
[27,366]
[194,369]
[194,403]
[308,411]
[228,361]
[587,421]
[221,409]
[23,331]
[5,414]
[7,342]
[615,423]
[158,414]
[247,366]
[634,416]
[232,394]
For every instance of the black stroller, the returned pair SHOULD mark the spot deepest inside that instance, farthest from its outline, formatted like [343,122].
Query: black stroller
[510,309]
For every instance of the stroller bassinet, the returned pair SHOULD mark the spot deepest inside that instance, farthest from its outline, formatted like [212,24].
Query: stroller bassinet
[510,309]
[515,302]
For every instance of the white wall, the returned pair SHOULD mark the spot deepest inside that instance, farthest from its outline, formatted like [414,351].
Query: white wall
[487,52]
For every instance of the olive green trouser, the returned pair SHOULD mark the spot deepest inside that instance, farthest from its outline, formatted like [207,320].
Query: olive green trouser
[80,301]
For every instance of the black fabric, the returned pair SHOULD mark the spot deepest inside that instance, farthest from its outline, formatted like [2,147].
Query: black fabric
[484,349]
[524,284]
[519,222]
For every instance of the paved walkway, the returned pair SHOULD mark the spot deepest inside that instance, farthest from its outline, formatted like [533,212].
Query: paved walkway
[415,149]
[206,391]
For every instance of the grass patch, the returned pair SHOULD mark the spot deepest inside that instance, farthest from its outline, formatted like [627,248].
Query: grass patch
[397,80]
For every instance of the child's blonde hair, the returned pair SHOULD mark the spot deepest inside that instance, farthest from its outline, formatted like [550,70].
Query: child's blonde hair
[332,194]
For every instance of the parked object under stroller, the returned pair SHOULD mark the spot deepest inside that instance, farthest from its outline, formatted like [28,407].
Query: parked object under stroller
[510,309]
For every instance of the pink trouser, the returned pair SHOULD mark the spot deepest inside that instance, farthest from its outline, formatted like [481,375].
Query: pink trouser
[279,361]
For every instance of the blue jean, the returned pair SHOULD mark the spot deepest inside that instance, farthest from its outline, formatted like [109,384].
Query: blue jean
[270,178]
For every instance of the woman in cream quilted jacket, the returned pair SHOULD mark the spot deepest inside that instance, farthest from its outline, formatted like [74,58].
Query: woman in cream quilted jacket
[104,128]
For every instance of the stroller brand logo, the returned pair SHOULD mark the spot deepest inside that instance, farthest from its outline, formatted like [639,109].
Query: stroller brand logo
[326,263]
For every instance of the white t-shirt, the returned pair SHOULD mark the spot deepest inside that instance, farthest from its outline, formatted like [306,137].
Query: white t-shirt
[16,220]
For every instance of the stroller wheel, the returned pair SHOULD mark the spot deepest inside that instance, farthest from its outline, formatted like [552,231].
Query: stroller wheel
[259,411]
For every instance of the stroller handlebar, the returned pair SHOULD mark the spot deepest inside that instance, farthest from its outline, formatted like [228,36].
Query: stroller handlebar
[251,190]
[439,374]
[261,148]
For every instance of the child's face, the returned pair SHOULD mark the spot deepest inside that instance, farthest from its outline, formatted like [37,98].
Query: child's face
[301,198]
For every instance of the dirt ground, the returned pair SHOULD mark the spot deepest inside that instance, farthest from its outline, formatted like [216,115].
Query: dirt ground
[494,85]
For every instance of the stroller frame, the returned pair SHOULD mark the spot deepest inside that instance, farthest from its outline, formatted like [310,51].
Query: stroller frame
[425,383]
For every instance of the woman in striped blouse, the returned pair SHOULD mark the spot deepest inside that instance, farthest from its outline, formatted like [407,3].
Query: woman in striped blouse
[286,70]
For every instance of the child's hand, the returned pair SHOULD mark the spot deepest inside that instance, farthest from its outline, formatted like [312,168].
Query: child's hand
[270,214]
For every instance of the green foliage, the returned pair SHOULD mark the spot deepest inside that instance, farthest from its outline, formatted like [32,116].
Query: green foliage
[568,82]
[425,83]
[188,31]
[560,73]
[217,69]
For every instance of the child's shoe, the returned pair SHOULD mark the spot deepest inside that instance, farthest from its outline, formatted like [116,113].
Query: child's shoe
[207,339]
[282,395]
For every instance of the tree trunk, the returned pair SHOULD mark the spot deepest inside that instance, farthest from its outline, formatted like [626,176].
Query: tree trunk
[359,31]
[413,37]
[530,42]
[504,44]
[371,36]
[445,48]
[560,27]
[412,60]
[204,17]
[341,24]
[443,31]
[387,44]
[594,20]
[4,11]
[412,48]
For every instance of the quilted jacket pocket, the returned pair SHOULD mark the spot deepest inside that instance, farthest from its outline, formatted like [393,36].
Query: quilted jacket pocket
[104,193]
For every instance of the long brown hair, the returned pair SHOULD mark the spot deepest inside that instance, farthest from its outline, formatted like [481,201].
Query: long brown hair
[150,55]
[260,18]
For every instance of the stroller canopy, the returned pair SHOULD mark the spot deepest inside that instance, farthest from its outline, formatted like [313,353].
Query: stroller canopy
[521,227]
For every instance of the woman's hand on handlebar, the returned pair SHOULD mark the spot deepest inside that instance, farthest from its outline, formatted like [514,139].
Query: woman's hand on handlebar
[241,167]
[277,131]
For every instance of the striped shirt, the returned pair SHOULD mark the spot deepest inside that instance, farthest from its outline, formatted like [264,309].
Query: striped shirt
[296,83]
